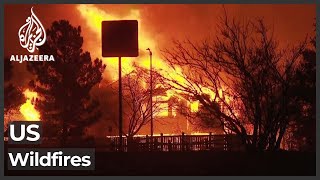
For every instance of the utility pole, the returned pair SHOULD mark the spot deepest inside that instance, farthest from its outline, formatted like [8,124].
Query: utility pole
[151,87]
[120,107]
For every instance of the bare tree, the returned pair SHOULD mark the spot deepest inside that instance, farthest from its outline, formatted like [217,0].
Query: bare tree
[246,73]
[136,100]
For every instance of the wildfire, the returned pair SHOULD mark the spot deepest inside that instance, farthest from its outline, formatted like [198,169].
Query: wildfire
[27,109]
[194,106]
[93,17]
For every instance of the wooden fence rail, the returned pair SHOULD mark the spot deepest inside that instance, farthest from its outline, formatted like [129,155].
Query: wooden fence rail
[181,142]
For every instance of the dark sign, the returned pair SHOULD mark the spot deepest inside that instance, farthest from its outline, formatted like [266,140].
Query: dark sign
[120,38]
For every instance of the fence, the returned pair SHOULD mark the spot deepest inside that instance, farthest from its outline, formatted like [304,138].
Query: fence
[181,142]
[146,143]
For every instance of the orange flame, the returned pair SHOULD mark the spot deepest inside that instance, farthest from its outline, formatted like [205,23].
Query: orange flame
[194,106]
[27,109]
[94,16]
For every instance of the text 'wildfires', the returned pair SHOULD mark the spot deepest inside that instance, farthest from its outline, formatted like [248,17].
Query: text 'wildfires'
[54,159]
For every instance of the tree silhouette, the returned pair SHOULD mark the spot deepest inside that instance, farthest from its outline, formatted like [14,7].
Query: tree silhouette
[208,120]
[304,90]
[13,96]
[64,85]
[247,73]
[202,119]
[136,100]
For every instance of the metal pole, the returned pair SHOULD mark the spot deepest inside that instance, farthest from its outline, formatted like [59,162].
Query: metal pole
[120,107]
[151,82]
[151,87]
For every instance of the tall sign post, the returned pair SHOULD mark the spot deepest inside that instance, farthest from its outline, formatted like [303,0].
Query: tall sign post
[151,95]
[120,39]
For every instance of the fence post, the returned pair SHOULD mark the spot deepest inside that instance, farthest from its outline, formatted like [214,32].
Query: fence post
[118,143]
[161,139]
[226,144]
[169,145]
[147,143]
[210,140]
[182,142]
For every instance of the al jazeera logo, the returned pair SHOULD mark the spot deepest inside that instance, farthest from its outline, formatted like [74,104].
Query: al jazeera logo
[31,36]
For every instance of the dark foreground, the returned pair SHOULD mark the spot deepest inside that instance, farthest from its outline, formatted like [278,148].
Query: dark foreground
[194,163]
